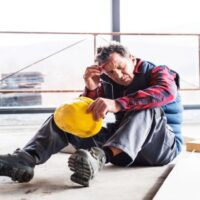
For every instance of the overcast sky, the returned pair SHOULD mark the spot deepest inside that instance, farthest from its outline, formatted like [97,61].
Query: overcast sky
[94,15]
[160,16]
[173,16]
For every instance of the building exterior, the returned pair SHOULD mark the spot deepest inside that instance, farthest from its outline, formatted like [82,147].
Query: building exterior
[22,80]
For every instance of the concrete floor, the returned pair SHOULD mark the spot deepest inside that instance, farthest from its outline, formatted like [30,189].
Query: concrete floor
[52,179]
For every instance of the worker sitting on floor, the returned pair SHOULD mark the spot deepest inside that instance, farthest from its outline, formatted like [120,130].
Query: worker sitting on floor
[146,103]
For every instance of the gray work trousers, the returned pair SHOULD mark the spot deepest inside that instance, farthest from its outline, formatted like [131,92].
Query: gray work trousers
[143,136]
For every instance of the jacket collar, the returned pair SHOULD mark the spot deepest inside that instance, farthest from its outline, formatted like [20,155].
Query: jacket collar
[138,65]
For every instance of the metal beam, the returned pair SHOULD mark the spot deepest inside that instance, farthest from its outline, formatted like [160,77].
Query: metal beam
[116,19]
[199,57]
[99,33]
[23,110]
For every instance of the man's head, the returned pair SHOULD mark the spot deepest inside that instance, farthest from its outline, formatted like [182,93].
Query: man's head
[116,62]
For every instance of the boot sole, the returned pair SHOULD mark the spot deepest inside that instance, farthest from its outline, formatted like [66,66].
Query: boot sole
[16,173]
[79,164]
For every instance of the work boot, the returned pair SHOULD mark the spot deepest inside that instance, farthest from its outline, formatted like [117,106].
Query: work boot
[19,166]
[85,164]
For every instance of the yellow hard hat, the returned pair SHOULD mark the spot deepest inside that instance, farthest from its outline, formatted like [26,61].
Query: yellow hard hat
[73,118]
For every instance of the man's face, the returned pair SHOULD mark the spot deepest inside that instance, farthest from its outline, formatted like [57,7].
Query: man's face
[119,69]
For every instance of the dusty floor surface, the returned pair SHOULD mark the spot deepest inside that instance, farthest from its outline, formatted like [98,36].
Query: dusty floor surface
[52,179]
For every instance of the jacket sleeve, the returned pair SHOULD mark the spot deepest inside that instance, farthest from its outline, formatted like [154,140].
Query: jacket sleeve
[162,90]
[94,94]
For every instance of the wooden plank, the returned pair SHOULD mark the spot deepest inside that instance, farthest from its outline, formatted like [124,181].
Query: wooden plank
[183,181]
[193,146]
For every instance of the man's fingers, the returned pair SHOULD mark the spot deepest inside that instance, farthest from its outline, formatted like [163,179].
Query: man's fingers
[98,69]
[91,74]
[99,115]
[93,67]
[90,107]
[99,110]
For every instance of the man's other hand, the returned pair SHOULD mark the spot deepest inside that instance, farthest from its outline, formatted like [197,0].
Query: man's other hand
[101,106]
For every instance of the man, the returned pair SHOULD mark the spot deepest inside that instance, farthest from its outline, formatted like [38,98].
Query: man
[147,131]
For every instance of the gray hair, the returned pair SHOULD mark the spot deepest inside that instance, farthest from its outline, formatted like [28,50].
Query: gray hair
[104,52]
